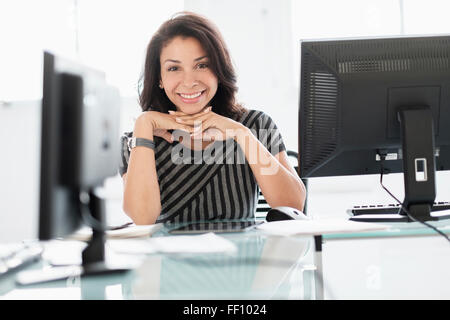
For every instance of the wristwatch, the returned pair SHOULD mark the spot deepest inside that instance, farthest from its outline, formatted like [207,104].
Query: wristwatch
[138,142]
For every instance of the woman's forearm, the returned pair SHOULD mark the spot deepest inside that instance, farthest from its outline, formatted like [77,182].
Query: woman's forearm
[279,185]
[141,201]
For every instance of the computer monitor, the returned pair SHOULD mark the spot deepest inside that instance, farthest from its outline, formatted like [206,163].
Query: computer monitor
[79,148]
[367,104]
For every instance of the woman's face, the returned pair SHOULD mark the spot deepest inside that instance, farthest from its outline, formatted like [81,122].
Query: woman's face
[185,75]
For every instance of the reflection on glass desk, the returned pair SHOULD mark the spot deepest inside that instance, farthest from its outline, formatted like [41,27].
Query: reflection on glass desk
[397,229]
[407,261]
[397,268]
[263,267]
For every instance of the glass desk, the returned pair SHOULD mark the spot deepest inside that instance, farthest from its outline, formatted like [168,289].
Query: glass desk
[407,261]
[263,267]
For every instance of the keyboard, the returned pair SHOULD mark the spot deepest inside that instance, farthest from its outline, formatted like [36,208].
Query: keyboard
[390,208]
[15,256]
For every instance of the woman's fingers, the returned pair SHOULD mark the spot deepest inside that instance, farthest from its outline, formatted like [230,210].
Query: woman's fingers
[172,124]
[200,128]
[183,116]
[193,124]
[190,122]
[193,120]
[180,113]
[188,129]
[212,134]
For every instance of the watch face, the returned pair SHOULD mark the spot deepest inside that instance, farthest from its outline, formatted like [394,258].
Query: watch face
[131,143]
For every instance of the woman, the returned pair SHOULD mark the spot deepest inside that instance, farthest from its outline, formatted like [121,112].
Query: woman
[200,154]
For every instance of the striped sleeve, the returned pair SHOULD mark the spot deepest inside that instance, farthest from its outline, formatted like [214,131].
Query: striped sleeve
[124,153]
[268,133]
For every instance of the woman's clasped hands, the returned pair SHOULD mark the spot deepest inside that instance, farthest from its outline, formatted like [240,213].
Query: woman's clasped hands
[205,125]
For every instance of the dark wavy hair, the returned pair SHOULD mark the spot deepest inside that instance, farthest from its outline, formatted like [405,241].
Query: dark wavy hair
[188,24]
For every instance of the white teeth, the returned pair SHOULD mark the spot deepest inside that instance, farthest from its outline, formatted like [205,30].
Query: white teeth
[190,96]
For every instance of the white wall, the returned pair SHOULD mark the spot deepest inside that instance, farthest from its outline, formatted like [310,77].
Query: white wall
[20,125]
[263,38]
[259,36]
[19,170]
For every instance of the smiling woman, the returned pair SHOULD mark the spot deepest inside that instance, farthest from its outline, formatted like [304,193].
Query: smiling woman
[188,91]
[206,55]
[186,77]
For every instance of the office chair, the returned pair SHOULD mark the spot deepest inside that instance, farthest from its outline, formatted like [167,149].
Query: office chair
[263,207]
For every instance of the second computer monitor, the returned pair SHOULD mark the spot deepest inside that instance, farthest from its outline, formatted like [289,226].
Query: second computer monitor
[376,106]
[352,92]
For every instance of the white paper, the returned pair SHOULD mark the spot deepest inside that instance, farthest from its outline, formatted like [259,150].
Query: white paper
[204,243]
[132,231]
[318,227]
[131,246]
[68,252]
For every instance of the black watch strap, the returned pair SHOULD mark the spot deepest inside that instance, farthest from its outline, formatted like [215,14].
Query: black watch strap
[140,142]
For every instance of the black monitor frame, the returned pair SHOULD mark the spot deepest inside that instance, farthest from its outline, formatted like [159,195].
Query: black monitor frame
[79,150]
[367,104]
[59,212]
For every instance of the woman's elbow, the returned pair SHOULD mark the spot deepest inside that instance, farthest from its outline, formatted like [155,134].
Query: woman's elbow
[297,199]
[301,196]
[141,216]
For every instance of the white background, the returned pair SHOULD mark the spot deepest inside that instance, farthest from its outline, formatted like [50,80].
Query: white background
[263,37]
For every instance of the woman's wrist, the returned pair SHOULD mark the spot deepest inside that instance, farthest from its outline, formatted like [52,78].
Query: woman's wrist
[143,127]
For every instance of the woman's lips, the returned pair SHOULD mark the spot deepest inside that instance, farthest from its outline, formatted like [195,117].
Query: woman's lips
[192,97]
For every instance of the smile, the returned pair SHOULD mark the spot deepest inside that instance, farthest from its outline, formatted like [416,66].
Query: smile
[191,97]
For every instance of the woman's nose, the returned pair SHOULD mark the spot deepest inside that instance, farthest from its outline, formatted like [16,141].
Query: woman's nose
[189,80]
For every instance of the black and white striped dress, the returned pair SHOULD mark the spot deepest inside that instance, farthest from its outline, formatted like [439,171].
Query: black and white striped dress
[214,183]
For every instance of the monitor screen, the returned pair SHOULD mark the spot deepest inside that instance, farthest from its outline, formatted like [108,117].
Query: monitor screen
[79,141]
[367,100]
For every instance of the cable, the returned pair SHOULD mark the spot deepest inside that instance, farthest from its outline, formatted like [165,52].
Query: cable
[402,207]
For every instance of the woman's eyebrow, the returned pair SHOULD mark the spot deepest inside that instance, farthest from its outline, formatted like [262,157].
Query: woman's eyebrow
[178,61]
[200,58]
[171,60]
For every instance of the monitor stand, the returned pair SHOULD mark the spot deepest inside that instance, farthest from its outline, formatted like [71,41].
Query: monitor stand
[419,170]
[93,256]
